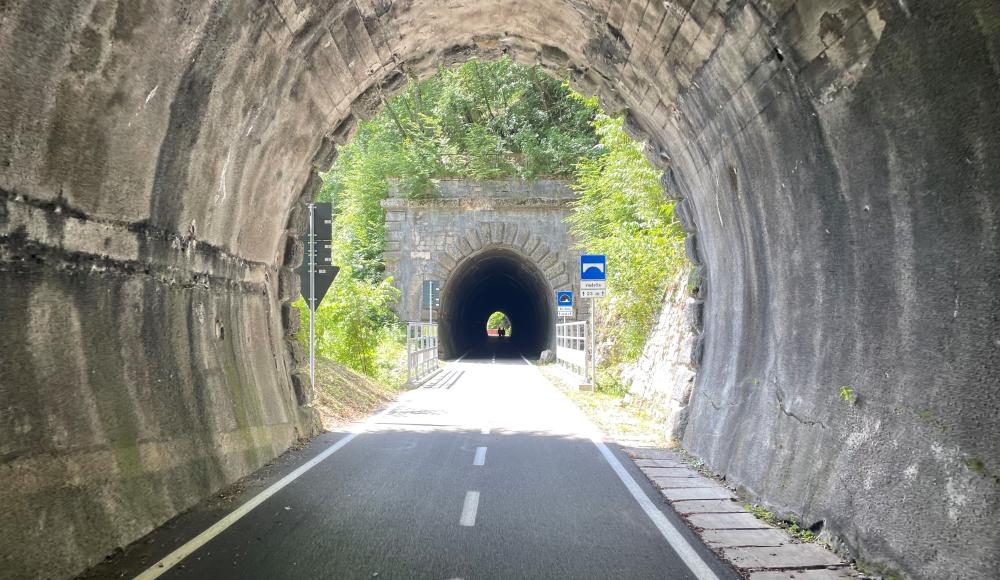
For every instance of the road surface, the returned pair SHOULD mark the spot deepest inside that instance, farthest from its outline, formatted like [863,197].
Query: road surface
[485,472]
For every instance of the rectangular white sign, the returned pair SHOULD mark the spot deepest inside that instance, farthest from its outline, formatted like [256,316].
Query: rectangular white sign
[599,293]
[593,285]
[566,311]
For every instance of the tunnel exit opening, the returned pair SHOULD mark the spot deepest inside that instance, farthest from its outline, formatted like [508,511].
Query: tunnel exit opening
[498,325]
[496,280]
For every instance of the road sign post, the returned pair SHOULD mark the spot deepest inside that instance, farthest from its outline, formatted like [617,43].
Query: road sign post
[593,279]
[430,298]
[564,303]
[593,285]
[311,248]
[317,271]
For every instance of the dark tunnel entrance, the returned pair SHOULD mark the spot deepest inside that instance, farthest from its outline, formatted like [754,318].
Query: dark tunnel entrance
[491,280]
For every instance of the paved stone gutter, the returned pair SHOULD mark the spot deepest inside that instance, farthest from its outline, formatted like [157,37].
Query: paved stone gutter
[755,548]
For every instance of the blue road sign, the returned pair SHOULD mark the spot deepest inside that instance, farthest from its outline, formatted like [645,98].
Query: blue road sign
[564,298]
[593,267]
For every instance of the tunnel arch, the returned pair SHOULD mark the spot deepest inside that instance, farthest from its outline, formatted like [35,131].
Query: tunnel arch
[832,160]
[496,278]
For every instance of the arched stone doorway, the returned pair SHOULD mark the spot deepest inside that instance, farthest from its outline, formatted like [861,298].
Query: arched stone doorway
[495,278]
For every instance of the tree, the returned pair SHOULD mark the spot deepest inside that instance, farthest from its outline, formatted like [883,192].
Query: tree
[498,320]
[481,120]
[622,212]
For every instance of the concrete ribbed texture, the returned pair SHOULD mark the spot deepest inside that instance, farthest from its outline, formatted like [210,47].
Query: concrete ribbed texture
[836,161]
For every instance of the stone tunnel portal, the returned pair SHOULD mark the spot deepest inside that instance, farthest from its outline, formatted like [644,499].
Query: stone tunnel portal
[490,280]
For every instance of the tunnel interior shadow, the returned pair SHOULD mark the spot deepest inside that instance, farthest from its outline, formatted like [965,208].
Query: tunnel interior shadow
[333,514]
[496,279]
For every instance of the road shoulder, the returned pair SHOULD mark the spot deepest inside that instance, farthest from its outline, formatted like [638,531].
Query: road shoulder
[757,549]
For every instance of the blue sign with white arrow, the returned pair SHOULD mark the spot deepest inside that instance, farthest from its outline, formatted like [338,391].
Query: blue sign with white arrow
[593,267]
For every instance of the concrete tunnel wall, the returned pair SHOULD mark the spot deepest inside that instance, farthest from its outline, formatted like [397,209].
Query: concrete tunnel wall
[835,161]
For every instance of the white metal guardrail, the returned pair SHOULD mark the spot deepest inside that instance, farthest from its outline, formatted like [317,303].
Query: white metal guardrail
[571,347]
[421,350]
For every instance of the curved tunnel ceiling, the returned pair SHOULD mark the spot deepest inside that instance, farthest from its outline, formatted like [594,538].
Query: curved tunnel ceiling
[490,280]
[834,160]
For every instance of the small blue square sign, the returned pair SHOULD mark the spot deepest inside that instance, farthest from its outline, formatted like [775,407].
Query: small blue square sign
[593,267]
[564,298]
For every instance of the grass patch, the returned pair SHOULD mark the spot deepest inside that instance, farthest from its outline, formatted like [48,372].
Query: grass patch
[880,571]
[343,396]
[609,384]
[390,357]
[695,463]
[629,424]
[791,526]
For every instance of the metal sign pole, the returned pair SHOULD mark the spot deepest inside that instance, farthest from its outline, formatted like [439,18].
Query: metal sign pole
[312,294]
[409,352]
[593,344]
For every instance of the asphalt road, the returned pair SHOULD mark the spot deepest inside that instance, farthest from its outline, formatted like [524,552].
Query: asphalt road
[485,472]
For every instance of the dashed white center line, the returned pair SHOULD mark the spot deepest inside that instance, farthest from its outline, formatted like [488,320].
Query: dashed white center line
[480,456]
[469,509]
[175,557]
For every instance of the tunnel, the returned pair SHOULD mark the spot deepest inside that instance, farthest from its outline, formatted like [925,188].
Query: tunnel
[491,280]
[833,163]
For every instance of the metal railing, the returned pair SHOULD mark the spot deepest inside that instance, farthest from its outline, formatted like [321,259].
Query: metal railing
[571,347]
[421,350]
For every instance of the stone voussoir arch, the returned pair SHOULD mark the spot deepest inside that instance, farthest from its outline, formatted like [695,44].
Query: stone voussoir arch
[504,235]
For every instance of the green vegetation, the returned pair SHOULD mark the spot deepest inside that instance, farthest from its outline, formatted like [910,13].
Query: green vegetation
[343,395]
[480,120]
[925,415]
[495,120]
[880,571]
[976,465]
[791,526]
[931,419]
[847,395]
[628,424]
[499,320]
[694,462]
[622,212]
[609,382]
[355,323]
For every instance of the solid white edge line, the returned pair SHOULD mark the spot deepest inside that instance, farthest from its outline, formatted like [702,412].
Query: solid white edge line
[469,509]
[480,459]
[175,557]
[678,542]
[692,559]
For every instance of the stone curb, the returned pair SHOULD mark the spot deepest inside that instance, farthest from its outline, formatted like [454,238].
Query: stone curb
[756,549]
